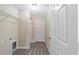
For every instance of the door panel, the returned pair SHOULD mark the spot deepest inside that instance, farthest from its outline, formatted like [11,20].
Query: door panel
[52,34]
[61,40]
[62,23]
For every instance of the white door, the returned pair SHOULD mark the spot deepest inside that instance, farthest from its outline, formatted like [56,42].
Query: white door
[8,34]
[52,35]
[39,29]
[5,42]
[63,31]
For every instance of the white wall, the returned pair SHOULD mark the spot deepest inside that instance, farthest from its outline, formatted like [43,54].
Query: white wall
[24,29]
[78,28]
[8,28]
[38,26]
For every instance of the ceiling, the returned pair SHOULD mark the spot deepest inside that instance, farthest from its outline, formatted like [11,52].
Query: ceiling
[41,8]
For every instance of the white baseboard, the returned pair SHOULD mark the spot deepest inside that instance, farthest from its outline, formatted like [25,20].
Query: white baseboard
[23,47]
[33,41]
[37,41]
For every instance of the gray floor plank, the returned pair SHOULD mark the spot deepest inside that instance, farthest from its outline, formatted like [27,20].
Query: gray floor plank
[36,48]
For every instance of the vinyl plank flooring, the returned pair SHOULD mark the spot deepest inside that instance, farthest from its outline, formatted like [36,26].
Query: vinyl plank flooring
[36,48]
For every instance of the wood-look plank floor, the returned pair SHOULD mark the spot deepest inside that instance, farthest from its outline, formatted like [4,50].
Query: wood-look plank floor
[36,48]
[21,52]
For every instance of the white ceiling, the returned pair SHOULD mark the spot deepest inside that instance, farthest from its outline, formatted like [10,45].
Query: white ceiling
[20,6]
[42,8]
